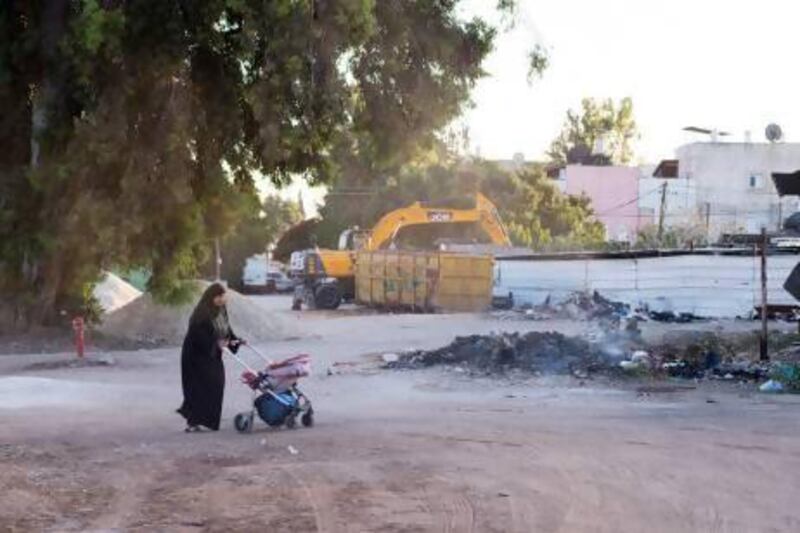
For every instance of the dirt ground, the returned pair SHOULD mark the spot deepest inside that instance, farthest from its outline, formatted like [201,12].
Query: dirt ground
[101,449]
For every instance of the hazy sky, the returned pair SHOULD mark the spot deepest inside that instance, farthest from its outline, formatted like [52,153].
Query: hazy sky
[725,64]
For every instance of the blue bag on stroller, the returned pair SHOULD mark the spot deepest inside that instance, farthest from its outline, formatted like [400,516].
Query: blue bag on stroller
[274,409]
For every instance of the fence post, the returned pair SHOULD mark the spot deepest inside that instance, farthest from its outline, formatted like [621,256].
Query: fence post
[764,351]
[586,276]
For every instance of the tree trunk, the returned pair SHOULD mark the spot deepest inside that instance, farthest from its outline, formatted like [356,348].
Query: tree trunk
[48,116]
[48,95]
[44,310]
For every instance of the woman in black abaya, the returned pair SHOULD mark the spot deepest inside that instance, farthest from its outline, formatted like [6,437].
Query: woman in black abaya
[202,370]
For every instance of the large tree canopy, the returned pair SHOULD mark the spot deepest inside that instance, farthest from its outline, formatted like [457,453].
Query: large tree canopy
[130,128]
[604,120]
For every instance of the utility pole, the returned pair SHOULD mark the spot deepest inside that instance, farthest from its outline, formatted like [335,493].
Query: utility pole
[708,221]
[662,211]
[764,352]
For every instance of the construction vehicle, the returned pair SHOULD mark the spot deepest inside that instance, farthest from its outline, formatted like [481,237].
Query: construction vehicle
[324,278]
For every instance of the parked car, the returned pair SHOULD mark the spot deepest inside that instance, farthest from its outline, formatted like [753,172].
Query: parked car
[261,276]
[279,282]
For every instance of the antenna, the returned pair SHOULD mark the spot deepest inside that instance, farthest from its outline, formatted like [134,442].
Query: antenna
[774,133]
[713,133]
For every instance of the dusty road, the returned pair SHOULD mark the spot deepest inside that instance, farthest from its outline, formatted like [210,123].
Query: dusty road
[101,449]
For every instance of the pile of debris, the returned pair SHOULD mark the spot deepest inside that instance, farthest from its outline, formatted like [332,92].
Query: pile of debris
[146,321]
[536,352]
[617,354]
[578,306]
[584,306]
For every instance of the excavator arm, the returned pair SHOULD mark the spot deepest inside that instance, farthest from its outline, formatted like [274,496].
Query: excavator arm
[484,214]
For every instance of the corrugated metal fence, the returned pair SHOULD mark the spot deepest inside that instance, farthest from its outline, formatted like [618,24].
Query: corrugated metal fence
[723,286]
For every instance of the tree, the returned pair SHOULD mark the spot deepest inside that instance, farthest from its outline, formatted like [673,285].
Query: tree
[536,213]
[133,127]
[684,235]
[259,226]
[604,120]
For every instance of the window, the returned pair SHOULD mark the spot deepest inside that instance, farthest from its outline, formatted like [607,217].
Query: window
[755,181]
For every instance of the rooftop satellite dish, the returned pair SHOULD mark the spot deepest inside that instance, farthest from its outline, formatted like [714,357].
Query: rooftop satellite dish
[774,133]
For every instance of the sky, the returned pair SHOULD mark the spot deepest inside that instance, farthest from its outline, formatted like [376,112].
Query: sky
[729,65]
[720,64]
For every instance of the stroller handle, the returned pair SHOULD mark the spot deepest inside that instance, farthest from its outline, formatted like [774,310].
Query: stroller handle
[238,360]
[259,354]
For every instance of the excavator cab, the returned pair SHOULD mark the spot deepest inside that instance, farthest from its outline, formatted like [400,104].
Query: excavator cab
[354,239]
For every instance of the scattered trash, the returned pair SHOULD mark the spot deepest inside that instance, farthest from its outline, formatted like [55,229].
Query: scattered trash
[503,495]
[263,442]
[578,306]
[340,367]
[629,365]
[788,374]
[390,357]
[580,373]
[674,318]
[292,450]
[771,386]
[503,302]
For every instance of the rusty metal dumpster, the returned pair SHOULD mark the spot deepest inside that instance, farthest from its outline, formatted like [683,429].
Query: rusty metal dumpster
[424,281]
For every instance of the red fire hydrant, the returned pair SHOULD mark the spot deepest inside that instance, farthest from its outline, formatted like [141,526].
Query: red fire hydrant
[77,327]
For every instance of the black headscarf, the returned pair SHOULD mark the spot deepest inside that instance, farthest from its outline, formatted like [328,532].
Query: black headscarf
[205,309]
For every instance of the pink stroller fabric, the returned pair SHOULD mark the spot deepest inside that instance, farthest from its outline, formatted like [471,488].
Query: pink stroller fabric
[284,374]
[281,375]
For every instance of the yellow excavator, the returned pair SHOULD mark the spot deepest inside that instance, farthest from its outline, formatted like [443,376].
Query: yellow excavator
[324,278]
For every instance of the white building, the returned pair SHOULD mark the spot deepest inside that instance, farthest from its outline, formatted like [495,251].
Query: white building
[724,186]
[663,186]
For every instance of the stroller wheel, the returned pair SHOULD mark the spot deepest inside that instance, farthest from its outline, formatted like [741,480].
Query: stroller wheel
[243,422]
[308,418]
[291,422]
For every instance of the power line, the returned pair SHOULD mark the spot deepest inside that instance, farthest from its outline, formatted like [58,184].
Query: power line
[629,202]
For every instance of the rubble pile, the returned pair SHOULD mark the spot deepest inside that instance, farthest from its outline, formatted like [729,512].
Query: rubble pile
[579,306]
[584,306]
[617,353]
[149,322]
[542,352]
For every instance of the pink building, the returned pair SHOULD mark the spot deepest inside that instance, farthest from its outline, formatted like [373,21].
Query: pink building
[614,194]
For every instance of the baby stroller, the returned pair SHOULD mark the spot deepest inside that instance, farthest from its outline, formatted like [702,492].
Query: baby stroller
[276,397]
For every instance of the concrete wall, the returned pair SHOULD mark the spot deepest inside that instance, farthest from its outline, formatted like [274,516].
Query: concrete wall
[735,179]
[712,286]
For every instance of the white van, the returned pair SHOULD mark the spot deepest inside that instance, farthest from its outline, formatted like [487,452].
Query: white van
[263,276]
